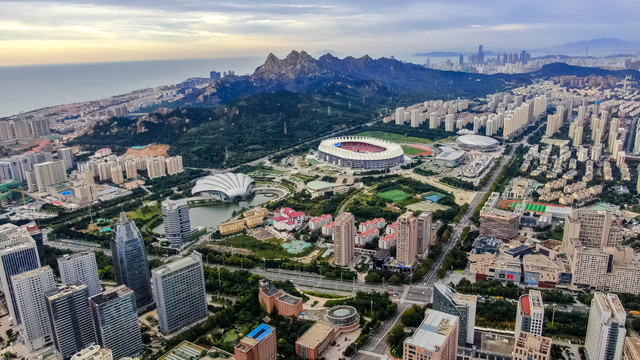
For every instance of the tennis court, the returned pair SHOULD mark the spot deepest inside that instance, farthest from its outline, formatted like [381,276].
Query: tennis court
[393,195]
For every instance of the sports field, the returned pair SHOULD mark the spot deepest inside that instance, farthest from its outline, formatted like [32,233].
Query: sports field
[410,150]
[416,150]
[394,137]
[393,195]
[534,207]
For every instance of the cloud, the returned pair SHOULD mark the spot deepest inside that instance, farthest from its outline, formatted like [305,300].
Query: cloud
[135,29]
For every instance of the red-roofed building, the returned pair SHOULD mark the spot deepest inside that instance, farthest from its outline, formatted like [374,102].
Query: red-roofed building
[320,221]
[388,241]
[366,236]
[327,230]
[378,223]
[393,227]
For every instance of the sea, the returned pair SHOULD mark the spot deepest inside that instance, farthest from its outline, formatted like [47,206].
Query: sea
[26,88]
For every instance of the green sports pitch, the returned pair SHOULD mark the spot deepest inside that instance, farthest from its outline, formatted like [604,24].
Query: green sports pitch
[410,150]
[541,208]
[393,195]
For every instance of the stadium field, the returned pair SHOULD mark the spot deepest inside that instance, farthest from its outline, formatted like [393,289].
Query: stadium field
[393,195]
[410,150]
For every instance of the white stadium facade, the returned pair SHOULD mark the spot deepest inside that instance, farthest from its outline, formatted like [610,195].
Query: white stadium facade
[477,142]
[358,152]
[224,187]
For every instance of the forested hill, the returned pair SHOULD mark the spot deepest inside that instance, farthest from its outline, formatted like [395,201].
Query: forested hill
[246,115]
[299,72]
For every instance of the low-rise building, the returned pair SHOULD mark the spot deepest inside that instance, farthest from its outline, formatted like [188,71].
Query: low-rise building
[260,344]
[272,298]
[315,341]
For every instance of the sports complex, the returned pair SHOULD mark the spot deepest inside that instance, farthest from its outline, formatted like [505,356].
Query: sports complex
[357,152]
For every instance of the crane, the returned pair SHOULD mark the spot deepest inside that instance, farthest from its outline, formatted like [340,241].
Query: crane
[24,202]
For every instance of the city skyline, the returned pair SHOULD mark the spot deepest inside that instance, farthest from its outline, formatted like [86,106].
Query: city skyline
[71,31]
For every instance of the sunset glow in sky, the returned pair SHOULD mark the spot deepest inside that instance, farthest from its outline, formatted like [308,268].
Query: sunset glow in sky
[37,32]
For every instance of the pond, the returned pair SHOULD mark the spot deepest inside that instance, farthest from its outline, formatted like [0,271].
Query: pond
[214,215]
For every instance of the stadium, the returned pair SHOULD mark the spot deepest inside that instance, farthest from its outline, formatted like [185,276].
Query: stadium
[477,142]
[224,187]
[357,152]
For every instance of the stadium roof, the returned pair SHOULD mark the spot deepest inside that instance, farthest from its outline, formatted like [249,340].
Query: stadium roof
[332,146]
[477,141]
[231,184]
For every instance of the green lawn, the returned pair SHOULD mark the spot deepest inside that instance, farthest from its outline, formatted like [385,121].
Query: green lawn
[411,150]
[268,249]
[313,161]
[394,137]
[393,195]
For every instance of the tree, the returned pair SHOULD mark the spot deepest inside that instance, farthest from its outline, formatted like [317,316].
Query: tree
[413,316]
[146,338]
[372,278]
[395,335]
[394,280]
[636,324]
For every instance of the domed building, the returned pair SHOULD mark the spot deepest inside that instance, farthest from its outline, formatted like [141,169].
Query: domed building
[477,142]
[224,187]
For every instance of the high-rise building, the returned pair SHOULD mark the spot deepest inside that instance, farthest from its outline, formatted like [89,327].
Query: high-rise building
[18,253]
[130,260]
[80,267]
[499,223]
[131,169]
[180,294]
[70,319]
[400,116]
[593,228]
[49,173]
[177,225]
[529,346]
[93,352]
[174,165]
[29,288]
[66,155]
[606,329]
[480,55]
[447,300]
[37,236]
[407,242]
[156,167]
[554,122]
[117,177]
[344,234]
[435,339]
[115,316]
[424,233]
[260,344]
[530,314]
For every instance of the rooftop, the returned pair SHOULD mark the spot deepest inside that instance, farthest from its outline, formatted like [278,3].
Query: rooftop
[260,332]
[289,299]
[176,265]
[184,351]
[433,331]
[268,288]
[319,185]
[315,335]
[106,296]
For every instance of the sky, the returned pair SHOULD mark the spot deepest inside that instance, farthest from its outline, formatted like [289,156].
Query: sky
[72,31]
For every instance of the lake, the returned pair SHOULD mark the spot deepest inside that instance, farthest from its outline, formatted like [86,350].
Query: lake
[214,215]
